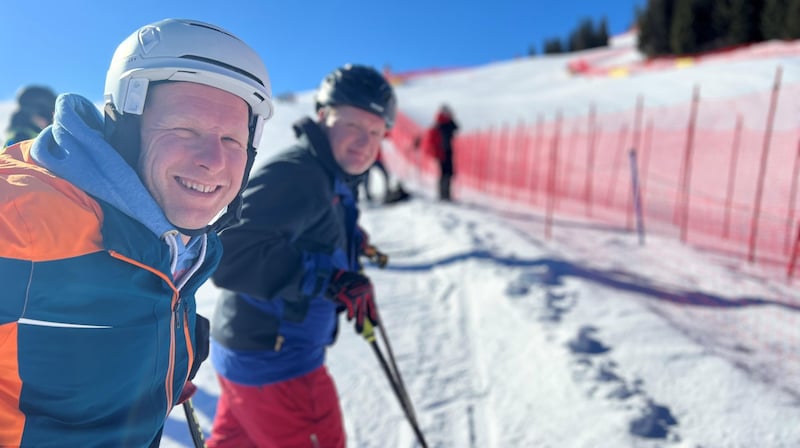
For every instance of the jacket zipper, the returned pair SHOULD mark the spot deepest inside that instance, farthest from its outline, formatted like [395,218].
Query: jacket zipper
[175,306]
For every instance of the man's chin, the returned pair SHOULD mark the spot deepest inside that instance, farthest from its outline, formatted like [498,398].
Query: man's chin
[357,169]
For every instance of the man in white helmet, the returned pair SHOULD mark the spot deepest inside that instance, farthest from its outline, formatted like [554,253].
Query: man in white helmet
[107,229]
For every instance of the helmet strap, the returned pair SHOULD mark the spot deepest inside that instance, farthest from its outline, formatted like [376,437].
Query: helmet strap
[123,133]
[233,212]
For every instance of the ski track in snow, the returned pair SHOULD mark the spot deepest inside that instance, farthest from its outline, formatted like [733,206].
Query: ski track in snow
[461,345]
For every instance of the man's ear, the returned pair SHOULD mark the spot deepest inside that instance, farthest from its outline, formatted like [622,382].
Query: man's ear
[322,112]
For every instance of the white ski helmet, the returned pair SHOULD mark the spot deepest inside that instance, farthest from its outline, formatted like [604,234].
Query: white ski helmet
[191,51]
[188,51]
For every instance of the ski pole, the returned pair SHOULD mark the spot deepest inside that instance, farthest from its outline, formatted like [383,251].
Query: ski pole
[194,425]
[376,256]
[404,404]
[382,260]
[398,377]
[394,380]
[392,373]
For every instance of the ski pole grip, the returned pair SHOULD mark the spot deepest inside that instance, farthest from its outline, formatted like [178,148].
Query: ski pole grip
[381,259]
[376,256]
[369,331]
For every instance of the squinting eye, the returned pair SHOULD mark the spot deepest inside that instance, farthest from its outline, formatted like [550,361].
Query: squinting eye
[230,141]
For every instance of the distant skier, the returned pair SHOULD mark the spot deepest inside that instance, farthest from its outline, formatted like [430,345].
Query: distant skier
[35,107]
[439,144]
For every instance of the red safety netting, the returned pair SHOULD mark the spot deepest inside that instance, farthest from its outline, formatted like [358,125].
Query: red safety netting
[718,174]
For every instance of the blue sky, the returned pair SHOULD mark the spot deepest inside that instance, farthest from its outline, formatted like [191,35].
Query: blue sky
[68,45]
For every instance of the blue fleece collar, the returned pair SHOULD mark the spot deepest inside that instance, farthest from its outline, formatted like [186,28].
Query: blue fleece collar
[74,149]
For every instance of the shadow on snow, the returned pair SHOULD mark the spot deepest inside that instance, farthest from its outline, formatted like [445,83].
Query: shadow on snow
[625,281]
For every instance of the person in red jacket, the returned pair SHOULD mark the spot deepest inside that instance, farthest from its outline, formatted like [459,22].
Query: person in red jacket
[442,134]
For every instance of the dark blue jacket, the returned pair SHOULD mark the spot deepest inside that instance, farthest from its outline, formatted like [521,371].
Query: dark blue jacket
[273,321]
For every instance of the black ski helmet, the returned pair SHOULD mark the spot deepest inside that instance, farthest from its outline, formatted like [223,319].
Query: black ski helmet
[37,99]
[359,86]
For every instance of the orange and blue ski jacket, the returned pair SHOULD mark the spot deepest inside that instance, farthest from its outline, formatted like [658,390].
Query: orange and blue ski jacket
[96,339]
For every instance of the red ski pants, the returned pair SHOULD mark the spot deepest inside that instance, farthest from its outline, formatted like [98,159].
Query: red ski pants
[302,412]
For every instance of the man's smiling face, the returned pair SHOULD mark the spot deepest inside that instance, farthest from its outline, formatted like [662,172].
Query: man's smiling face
[194,150]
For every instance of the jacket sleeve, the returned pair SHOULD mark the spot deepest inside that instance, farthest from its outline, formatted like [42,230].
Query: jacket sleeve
[259,257]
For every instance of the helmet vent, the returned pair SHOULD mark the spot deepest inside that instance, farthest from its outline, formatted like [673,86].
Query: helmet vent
[222,64]
[209,27]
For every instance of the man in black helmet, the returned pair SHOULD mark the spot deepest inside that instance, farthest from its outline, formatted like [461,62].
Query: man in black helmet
[35,106]
[290,266]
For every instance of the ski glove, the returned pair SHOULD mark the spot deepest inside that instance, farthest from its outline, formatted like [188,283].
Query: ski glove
[201,332]
[355,292]
[187,392]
